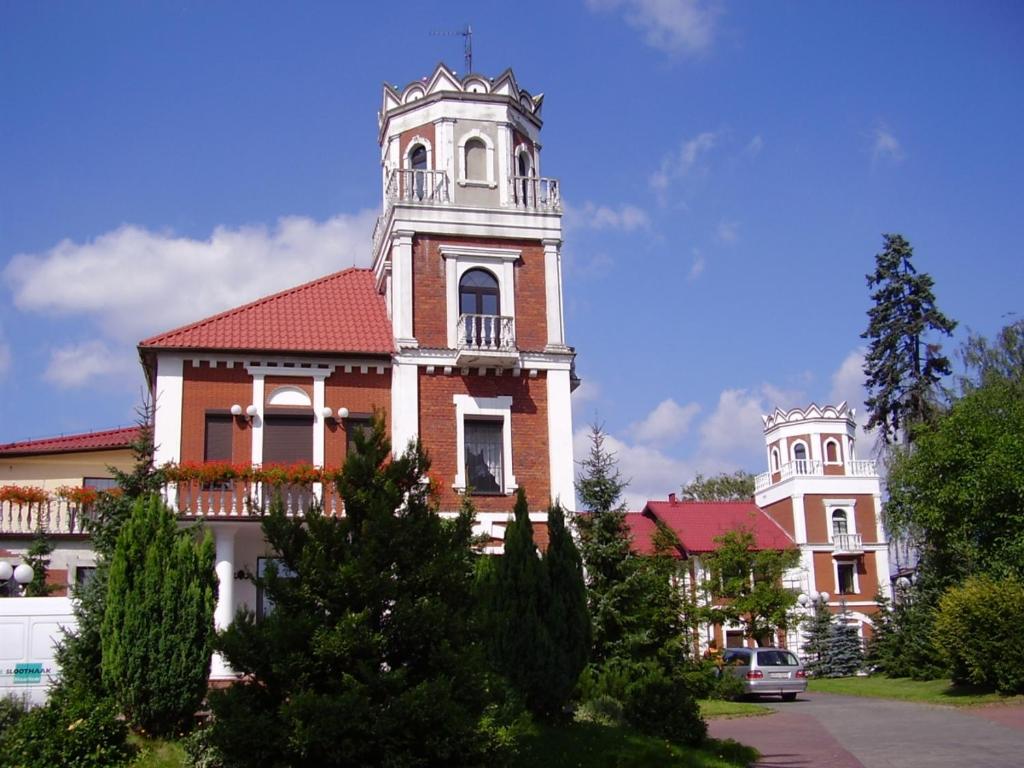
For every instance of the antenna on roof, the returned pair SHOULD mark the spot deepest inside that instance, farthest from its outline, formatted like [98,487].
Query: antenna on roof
[466,33]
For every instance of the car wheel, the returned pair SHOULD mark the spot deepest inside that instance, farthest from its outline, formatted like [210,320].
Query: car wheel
[789,697]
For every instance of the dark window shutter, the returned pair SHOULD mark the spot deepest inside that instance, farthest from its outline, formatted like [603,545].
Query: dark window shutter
[218,437]
[287,439]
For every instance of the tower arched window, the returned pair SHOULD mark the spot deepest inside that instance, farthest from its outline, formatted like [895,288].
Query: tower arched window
[525,189]
[476,160]
[480,305]
[800,457]
[831,452]
[418,165]
[775,459]
[840,524]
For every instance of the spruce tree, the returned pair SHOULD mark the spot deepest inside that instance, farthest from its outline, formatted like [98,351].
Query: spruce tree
[157,628]
[902,367]
[566,616]
[845,656]
[818,633]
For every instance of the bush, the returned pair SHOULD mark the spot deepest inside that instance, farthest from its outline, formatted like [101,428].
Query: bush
[70,733]
[978,631]
[200,751]
[157,628]
[12,709]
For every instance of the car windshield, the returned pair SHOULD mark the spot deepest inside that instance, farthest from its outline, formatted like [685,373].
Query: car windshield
[776,659]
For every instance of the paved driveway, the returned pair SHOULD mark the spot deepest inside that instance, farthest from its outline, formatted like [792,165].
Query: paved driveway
[852,732]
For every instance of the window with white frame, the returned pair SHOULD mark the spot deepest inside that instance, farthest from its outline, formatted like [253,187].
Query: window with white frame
[846,579]
[496,263]
[775,459]
[800,463]
[832,452]
[839,517]
[484,444]
[476,159]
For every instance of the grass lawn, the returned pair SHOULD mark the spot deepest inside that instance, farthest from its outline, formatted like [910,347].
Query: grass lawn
[905,689]
[157,753]
[720,708]
[588,745]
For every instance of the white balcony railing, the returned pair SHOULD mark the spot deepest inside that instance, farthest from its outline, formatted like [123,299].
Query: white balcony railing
[847,543]
[418,186]
[486,333]
[190,499]
[536,193]
[815,468]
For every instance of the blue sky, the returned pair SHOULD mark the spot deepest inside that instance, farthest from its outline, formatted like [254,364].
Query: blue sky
[728,169]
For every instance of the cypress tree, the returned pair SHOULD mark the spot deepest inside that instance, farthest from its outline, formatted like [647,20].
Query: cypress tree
[521,644]
[38,556]
[157,629]
[567,619]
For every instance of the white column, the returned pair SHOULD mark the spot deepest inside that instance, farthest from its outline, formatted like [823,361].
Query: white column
[224,540]
[401,290]
[405,405]
[553,293]
[257,420]
[563,488]
[444,152]
[167,404]
[318,421]
[799,520]
[505,162]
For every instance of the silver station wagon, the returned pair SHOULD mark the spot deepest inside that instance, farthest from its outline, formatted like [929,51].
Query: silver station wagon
[766,671]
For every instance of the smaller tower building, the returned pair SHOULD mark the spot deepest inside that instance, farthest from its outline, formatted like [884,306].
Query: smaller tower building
[830,502]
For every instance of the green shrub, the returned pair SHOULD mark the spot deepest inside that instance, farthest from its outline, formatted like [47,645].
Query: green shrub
[157,628]
[978,631]
[12,709]
[200,751]
[603,710]
[68,733]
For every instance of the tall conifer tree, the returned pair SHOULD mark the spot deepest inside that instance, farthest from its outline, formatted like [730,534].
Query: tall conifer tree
[902,367]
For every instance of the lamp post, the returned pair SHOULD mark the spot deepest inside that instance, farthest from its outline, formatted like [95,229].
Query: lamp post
[21,574]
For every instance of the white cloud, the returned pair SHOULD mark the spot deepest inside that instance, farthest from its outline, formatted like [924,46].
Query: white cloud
[133,282]
[667,423]
[885,145]
[754,146]
[651,473]
[584,402]
[697,267]
[682,163]
[673,26]
[76,365]
[625,218]
[727,232]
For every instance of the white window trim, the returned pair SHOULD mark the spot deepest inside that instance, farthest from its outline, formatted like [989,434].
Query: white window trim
[407,157]
[489,154]
[792,451]
[835,575]
[839,451]
[774,460]
[850,505]
[525,149]
[467,406]
[290,396]
[459,259]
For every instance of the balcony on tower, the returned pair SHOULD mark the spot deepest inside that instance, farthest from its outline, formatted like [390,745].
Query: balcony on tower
[486,340]
[847,544]
[814,468]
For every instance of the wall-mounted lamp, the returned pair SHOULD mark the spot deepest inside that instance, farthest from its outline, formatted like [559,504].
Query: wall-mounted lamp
[343,413]
[236,410]
[326,413]
[250,411]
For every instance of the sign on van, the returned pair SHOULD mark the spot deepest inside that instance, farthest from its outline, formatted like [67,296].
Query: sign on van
[28,674]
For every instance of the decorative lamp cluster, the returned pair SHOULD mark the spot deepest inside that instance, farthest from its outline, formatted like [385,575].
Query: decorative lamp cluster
[815,597]
[22,574]
[252,410]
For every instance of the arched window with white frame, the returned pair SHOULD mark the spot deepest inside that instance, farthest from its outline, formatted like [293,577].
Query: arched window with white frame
[832,455]
[840,522]
[800,463]
[476,159]
[775,460]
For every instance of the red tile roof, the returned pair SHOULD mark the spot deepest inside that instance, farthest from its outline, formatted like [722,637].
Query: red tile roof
[87,441]
[338,313]
[697,523]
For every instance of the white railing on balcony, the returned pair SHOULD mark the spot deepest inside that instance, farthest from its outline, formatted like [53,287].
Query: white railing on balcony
[848,542]
[536,193]
[417,186]
[51,516]
[192,499]
[814,468]
[486,333]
